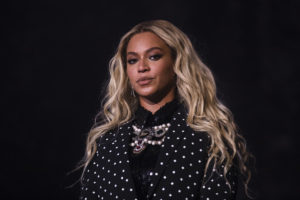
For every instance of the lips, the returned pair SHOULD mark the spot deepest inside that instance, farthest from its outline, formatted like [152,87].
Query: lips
[144,81]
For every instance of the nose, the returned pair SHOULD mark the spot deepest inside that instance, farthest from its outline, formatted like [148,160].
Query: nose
[143,66]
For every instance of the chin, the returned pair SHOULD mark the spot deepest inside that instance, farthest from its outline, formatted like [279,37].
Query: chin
[146,91]
[146,94]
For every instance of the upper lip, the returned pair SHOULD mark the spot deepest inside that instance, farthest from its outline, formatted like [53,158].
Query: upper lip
[144,78]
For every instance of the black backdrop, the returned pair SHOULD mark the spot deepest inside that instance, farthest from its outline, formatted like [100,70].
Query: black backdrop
[55,54]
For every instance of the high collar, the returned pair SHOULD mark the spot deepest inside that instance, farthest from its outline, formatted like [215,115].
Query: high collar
[144,118]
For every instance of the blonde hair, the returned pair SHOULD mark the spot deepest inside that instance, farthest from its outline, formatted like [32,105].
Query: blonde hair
[196,89]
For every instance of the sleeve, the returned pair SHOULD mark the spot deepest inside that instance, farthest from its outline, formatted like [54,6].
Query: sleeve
[88,186]
[88,189]
[215,186]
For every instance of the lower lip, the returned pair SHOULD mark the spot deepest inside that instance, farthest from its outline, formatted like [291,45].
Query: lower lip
[144,82]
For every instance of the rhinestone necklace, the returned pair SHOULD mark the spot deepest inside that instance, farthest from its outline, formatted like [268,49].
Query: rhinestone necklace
[153,135]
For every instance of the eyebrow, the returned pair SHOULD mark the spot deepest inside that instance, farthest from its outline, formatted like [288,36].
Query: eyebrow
[147,51]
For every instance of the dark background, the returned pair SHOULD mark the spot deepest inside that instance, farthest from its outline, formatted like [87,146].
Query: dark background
[55,54]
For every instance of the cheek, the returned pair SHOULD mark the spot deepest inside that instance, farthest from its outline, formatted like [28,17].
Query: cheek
[130,75]
[169,76]
[167,71]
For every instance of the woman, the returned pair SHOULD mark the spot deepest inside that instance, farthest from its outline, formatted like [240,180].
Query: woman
[163,133]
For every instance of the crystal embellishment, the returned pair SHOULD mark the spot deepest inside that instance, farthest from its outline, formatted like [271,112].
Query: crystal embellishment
[148,136]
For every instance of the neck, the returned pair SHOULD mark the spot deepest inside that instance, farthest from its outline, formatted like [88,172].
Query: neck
[154,106]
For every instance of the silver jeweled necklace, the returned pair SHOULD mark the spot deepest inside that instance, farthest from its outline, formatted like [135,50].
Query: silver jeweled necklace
[153,135]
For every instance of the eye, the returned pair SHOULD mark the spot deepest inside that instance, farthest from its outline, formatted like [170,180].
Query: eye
[131,61]
[155,57]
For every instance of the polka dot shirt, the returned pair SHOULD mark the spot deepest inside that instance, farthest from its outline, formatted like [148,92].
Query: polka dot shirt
[178,172]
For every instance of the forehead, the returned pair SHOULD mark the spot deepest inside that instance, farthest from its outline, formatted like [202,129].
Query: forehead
[144,41]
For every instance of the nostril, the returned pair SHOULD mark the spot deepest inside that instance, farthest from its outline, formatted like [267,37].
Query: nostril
[143,70]
[143,67]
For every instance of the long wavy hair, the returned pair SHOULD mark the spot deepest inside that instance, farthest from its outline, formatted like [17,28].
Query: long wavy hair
[196,89]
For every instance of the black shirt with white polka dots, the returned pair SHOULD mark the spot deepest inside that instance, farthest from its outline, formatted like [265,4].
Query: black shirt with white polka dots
[173,170]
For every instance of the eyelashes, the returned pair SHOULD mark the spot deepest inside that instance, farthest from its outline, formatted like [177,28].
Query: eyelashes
[152,58]
[131,61]
[155,57]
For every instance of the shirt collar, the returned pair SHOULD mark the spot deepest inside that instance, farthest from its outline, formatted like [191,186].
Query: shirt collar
[144,118]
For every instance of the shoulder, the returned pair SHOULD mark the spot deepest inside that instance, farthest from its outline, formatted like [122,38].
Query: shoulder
[180,117]
[111,135]
[179,123]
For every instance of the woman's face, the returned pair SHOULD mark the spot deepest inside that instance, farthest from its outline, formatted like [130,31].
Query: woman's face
[150,67]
